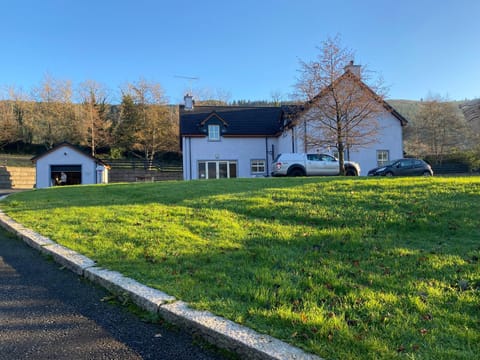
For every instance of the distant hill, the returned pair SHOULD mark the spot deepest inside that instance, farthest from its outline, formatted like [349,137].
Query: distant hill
[410,108]
[471,111]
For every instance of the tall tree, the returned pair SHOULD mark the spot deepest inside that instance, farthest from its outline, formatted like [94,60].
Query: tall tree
[155,126]
[341,111]
[15,113]
[9,129]
[54,114]
[95,114]
[126,125]
[439,128]
[210,97]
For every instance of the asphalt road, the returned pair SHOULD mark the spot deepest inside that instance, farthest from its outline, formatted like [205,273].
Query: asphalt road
[50,313]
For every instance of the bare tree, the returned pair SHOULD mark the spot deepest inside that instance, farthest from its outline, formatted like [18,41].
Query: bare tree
[155,124]
[439,127]
[276,97]
[54,114]
[9,129]
[96,123]
[341,111]
[209,97]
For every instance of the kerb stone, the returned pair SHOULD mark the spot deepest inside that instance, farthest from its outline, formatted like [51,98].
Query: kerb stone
[229,335]
[147,298]
[68,258]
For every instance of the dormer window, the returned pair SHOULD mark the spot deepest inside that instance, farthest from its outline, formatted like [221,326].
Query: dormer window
[214,132]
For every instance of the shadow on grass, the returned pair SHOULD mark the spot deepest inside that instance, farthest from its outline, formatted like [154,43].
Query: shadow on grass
[368,266]
[336,298]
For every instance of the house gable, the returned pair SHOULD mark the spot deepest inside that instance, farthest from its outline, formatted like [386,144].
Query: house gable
[350,76]
[67,145]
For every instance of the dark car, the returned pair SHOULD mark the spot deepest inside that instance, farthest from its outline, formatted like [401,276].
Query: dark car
[403,167]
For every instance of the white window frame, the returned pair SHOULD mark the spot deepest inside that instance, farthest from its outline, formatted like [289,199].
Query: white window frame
[216,163]
[213,132]
[381,158]
[258,166]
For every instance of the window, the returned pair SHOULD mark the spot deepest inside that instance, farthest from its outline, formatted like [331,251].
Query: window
[257,166]
[383,157]
[217,169]
[214,132]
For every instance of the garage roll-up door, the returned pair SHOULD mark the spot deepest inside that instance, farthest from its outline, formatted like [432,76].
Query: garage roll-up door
[66,168]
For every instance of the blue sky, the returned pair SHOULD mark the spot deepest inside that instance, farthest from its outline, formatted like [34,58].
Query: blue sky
[248,48]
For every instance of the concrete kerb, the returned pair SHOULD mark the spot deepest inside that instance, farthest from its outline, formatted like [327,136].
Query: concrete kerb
[216,330]
[147,298]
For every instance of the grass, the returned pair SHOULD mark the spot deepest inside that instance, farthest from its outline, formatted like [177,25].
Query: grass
[344,268]
[16,160]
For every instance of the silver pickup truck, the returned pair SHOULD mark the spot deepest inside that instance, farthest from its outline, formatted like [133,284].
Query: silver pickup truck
[302,164]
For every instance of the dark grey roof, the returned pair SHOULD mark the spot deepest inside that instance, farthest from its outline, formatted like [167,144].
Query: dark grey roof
[239,121]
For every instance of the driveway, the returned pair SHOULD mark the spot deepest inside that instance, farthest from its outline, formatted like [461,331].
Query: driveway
[50,313]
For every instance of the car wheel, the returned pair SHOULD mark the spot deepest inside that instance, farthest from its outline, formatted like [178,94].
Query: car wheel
[296,172]
[427,173]
[350,172]
[389,173]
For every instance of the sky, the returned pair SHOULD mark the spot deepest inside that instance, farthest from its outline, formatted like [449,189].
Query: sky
[248,49]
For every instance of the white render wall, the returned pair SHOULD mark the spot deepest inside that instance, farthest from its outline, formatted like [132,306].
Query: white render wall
[65,155]
[241,150]
[389,138]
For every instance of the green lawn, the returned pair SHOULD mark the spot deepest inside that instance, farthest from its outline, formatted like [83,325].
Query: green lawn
[342,267]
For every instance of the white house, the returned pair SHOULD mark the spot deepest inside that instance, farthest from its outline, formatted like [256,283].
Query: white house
[226,141]
[65,164]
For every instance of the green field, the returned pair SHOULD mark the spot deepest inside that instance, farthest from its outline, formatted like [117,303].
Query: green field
[344,268]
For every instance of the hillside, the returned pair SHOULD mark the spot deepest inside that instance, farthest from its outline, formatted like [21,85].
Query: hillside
[410,108]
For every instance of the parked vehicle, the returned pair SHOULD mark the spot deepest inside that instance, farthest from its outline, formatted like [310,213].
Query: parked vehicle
[403,167]
[302,164]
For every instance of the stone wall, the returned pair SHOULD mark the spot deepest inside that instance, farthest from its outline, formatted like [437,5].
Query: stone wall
[16,177]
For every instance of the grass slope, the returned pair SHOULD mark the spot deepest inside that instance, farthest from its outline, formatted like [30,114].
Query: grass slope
[345,268]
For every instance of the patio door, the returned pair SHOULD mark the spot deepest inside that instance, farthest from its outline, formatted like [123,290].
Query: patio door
[217,169]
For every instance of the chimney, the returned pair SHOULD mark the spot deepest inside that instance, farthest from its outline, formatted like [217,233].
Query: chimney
[188,102]
[354,69]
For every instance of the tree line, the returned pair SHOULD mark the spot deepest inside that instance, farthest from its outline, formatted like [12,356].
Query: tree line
[441,130]
[143,124]
[54,111]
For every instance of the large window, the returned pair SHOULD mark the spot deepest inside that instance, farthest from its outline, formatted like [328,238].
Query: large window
[383,157]
[214,132]
[217,169]
[257,167]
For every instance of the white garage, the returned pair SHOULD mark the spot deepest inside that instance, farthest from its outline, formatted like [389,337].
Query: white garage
[66,164]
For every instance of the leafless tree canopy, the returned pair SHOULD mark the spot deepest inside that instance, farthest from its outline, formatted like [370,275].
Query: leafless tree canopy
[341,110]
[155,126]
[438,129]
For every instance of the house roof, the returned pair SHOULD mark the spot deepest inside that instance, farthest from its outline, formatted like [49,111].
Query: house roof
[259,121]
[351,76]
[238,120]
[73,147]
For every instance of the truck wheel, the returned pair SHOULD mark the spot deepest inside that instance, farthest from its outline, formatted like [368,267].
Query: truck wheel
[350,172]
[296,172]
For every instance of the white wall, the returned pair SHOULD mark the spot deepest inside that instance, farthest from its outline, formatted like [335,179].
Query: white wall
[389,137]
[241,150]
[65,155]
